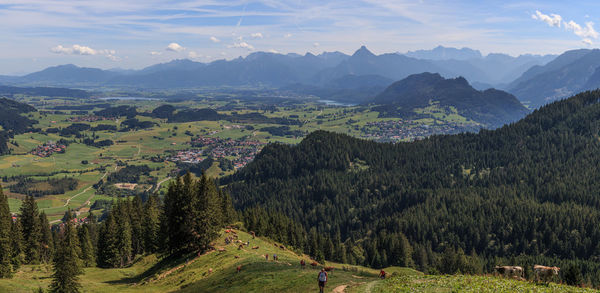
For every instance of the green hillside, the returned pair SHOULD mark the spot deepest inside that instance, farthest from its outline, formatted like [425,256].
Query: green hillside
[150,274]
[467,283]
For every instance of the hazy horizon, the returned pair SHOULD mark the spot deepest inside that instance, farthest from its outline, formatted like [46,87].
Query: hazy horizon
[136,34]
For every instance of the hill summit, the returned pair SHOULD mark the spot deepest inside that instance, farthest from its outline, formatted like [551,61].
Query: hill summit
[490,107]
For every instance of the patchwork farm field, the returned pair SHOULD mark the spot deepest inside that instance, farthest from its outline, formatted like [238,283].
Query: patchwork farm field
[155,142]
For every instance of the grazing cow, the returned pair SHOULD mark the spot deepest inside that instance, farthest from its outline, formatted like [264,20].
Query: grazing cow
[314,264]
[253,235]
[282,247]
[328,269]
[239,268]
[509,271]
[544,273]
[222,249]
[241,246]
[255,247]
[237,256]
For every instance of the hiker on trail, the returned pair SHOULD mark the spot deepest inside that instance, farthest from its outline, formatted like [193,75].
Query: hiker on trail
[302,264]
[266,256]
[274,256]
[322,278]
[382,274]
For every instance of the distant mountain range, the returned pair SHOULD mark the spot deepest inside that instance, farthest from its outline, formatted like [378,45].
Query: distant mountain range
[571,72]
[491,107]
[272,70]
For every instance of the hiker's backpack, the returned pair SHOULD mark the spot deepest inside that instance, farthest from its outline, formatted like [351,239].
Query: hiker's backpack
[322,276]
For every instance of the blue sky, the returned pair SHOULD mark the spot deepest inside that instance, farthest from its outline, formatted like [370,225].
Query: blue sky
[136,33]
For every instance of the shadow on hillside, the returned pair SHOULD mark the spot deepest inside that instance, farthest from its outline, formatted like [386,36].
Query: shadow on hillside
[163,265]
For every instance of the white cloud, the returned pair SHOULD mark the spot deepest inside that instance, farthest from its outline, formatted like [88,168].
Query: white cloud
[288,35]
[74,50]
[174,47]
[273,51]
[315,44]
[155,53]
[214,39]
[585,32]
[243,45]
[551,20]
[257,35]
[194,55]
[84,50]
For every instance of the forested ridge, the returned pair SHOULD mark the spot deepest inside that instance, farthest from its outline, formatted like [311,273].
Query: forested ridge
[524,193]
[12,122]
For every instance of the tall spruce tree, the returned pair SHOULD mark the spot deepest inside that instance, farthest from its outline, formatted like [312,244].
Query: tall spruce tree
[108,251]
[18,256]
[30,223]
[123,232]
[210,214]
[137,232]
[5,237]
[67,263]
[46,241]
[88,257]
[151,224]
[192,214]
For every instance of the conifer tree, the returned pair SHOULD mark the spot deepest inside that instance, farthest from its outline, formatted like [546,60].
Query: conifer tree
[209,212]
[123,233]
[30,223]
[229,213]
[151,224]
[108,252]
[17,244]
[135,218]
[67,263]
[87,250]
[5,237]
[46,241]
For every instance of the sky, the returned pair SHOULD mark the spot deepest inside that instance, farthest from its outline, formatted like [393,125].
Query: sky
[132,34]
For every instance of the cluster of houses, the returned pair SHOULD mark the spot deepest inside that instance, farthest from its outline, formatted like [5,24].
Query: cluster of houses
[401,130]
[48,149]
[242,151]
[89,118]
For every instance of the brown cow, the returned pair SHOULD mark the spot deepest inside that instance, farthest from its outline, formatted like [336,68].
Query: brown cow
[328,269]
[545,273]
[509,271]
[314,264]
[255,247]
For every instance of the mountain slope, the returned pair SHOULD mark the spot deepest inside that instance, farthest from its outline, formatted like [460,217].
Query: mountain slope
[494,68]
[567,74]
[490,107]
[497,193]
[67,74]
[12,121]
[190,273]
[393,66]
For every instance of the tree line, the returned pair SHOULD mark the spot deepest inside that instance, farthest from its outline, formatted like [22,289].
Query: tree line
[186,220]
